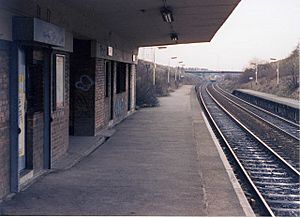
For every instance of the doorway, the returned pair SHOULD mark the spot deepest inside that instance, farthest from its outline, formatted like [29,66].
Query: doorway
[33,109]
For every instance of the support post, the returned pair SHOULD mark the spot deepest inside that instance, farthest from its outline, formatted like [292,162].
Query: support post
[277,72]
[48,62]
[13,116]
[256,71]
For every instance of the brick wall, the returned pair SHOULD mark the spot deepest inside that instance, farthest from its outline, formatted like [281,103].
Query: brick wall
[59,128]
[100,109]
[121,99]
[89,108]
[4,118]
[60,123]
[107,100]
[35,139]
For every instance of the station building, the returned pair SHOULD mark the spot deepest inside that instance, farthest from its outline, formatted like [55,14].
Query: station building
[68,67]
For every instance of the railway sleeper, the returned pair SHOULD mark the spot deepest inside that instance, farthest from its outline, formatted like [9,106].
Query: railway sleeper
[285,212]
[284,204]
[259,169]
[268,173]
[280,196]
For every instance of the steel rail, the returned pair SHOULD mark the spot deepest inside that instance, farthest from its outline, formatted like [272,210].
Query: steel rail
[257,192]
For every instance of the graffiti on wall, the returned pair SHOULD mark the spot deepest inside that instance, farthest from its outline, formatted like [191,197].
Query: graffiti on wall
[83,98]
[120,107]
[85,83]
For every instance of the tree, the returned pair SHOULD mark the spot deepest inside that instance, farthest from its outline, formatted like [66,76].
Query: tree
[293,70]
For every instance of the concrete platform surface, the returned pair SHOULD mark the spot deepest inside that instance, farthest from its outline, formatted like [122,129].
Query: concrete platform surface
[156,163]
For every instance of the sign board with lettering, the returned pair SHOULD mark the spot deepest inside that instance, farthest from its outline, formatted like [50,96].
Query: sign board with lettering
[133,58]
[36,30]
[110,53]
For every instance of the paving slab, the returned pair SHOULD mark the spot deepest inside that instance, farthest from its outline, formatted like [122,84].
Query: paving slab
[154,164]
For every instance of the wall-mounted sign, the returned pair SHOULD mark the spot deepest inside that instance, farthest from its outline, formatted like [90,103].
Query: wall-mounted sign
[36,30]
[110,51]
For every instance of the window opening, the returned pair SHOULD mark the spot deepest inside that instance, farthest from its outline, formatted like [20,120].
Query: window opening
[121,77]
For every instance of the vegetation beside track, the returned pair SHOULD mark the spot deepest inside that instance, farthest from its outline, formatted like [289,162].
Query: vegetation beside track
[267,77]
[147,93]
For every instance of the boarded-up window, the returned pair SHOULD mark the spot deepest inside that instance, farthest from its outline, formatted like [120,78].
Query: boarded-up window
[59,80]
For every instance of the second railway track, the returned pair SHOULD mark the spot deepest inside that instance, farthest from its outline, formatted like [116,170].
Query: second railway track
[275,136]
[288,126]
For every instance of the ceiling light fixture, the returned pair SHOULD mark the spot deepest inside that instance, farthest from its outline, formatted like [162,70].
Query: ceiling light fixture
[174,36]
[167,15]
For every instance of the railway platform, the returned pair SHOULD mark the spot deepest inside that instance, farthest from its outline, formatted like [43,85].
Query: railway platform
[160,161]
[285,107]
[273,98]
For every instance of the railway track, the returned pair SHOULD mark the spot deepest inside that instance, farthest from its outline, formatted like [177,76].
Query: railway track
[284,143]
[288,126]
[274,181]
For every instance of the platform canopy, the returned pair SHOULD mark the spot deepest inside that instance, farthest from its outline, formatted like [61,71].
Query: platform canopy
[155,22]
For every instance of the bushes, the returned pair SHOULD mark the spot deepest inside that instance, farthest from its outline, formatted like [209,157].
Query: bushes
[244,77]
[288,68]
[267,77]
[147,93]
[191,79]
[145,90]
[161,85]
[293,70]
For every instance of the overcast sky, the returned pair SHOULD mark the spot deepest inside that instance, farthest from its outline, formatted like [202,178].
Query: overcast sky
[261,29]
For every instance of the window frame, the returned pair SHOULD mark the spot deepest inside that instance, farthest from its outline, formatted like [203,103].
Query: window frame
[60,104]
